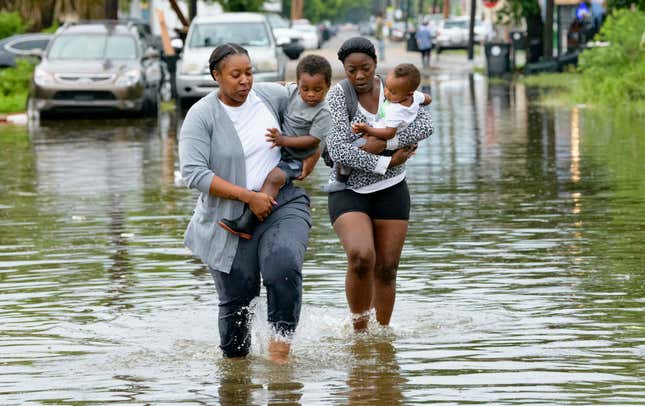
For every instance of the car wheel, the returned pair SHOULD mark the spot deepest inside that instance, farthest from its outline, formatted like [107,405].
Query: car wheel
[32,111]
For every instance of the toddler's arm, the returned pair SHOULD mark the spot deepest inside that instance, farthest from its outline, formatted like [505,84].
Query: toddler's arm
[382,133]
[300,142]
[427,99]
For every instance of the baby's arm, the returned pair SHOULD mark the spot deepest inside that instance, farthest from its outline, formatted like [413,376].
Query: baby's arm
[300,142]
[427,99]
[382,133]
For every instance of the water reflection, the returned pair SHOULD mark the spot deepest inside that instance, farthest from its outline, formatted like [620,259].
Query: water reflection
[521,280]
[374,376]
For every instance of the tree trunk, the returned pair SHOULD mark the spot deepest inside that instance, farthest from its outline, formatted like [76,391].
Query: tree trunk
[111,9]
[534,33]
[548,31]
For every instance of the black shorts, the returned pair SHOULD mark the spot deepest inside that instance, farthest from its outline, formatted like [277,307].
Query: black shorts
[392,203]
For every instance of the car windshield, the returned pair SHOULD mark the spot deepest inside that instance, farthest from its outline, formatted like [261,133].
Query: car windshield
[456,24]
[277,21]
[93,47]
[245,34]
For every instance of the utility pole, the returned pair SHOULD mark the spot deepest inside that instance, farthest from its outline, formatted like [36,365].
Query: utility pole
[296,9]
[446,9]
[548,31]
[192,9]
[111,8]
[471,30]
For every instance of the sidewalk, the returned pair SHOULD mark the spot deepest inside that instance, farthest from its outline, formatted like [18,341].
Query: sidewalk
[395,53]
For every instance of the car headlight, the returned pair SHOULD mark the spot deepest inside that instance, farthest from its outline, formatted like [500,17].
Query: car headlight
[42,78]
[128,78]
[267,65]
[191,68]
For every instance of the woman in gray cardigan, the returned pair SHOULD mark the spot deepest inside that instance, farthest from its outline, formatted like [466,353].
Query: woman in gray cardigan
[224,154]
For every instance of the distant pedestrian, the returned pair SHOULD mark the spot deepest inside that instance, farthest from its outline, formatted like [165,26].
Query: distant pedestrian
[424,42]
[379,35]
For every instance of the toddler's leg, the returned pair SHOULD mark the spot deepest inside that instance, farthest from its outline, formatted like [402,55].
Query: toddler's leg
[274,181]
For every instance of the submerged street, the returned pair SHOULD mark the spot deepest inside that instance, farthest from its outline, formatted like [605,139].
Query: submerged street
[521,279]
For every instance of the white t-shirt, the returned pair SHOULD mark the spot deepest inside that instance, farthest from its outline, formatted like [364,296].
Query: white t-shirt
[396,115]
[251,121]
[383,161]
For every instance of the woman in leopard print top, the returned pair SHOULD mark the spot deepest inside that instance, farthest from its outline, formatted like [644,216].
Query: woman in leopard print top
[371,216]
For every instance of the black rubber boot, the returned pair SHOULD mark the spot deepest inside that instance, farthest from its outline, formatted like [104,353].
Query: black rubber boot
[243,225]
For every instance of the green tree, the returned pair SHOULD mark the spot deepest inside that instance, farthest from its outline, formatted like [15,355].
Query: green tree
[10,23]
[513,12]
[242,5]
[333,10]
[616,4]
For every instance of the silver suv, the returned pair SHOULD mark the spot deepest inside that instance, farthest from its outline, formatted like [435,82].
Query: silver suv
[99,65]
[250,30]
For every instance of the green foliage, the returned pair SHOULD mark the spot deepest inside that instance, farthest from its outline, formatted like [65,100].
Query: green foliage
[513,11]
[14,86]
[562,81]
[241,5]
[333,10]
[615,74]
[10,24]
[52,29]
[616,4]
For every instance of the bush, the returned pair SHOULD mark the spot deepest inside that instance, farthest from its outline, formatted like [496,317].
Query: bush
[615,74]
[10,24]
[14,86]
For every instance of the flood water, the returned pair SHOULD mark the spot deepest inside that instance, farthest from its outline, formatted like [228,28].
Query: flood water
[522,279]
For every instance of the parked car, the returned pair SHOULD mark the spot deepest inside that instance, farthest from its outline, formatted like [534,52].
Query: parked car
[21,46]
[99,65]
[452,33]
[311,37]
[286,37]
[250,30]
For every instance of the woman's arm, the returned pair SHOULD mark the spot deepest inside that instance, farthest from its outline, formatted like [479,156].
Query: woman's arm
[194,158]
[340,138]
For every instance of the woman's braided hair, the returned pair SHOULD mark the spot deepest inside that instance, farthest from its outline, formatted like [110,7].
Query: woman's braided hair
[222,52]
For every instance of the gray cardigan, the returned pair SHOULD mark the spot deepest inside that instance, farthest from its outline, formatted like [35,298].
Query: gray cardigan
[209,146]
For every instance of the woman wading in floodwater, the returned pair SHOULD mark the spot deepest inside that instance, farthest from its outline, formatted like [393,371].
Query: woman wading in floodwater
[371,216]
[224,154]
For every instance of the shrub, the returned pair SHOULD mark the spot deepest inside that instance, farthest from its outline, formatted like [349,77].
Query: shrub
[615,74]
[14,86]
[11,23]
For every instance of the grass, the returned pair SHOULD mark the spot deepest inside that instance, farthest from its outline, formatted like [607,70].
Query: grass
[13,103]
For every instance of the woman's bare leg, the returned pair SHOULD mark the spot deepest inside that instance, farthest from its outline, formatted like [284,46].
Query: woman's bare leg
[389,236]
[355,232]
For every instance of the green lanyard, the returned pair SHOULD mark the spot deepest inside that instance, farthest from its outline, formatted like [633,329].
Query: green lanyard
[381,110]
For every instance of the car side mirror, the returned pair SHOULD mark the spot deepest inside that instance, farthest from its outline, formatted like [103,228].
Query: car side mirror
[36,53]
[282,41]
[151,53]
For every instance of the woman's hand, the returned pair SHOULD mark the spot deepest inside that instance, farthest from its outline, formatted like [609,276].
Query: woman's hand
[374,145]
[261,205]
[308,164]
[274,137]
[401,155]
